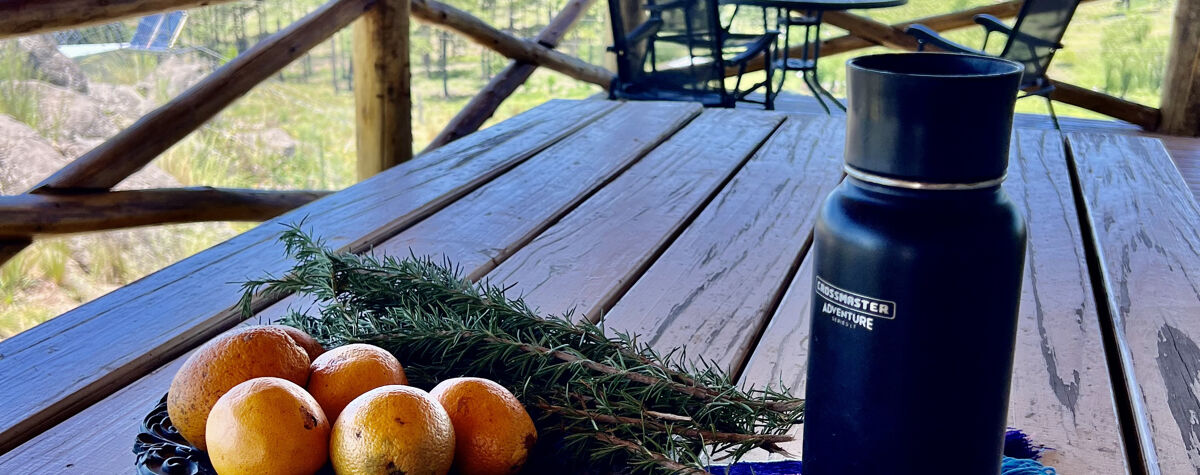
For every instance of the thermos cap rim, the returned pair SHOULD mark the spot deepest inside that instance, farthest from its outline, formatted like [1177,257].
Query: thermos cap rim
[930,117]
[918,185]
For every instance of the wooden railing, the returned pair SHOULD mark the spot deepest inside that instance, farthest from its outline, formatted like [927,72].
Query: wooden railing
[78,197]
[62,202]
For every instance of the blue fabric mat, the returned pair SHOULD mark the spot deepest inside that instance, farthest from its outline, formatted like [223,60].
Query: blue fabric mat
[1010,466]
[1020,458]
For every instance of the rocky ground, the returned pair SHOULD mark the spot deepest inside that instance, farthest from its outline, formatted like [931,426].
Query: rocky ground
[60,115]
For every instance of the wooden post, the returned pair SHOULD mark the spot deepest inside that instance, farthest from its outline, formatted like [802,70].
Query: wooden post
[382,93]
[1181,85]
[632,14]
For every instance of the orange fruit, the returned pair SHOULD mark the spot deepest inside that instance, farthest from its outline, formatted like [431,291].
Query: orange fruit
[228,360]
[310,345]
[392,429]
[494,433]
[267,426]
[344,373]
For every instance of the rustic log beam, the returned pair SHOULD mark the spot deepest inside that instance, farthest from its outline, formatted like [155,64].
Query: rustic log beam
[29,214]
[871,30]
[23,17]
[10,247]
[134,147]
[443,15]
[484,104]
[1143,116]
[382,88]
[1181,84]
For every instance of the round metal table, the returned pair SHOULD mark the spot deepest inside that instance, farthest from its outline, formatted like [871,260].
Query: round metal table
[806,14]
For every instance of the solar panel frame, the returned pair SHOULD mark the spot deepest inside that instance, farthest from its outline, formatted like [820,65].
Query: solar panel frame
[158,32]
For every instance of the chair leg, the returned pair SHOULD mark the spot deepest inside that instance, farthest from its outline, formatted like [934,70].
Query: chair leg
[787,34]
[770,99]
[814,89]
[1053,115]
[827,93]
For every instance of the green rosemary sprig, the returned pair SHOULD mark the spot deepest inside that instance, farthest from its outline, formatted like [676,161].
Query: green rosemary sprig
[608,397]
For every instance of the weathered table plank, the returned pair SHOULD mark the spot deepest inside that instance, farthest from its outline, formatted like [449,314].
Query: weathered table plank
[1146,226]
[714,288]
[489,225]
[57,368]
[1061,393]
[98,439]
[498,215]
[1061,388]
[588,258]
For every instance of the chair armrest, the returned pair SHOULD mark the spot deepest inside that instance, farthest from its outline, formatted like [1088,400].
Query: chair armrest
[925,35]
[645,30]
[755,48]
[991,23]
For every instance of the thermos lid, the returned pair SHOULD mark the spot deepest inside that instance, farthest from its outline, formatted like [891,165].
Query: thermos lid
[936,118]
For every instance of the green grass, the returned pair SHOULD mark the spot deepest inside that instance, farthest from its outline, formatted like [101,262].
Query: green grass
[15,100]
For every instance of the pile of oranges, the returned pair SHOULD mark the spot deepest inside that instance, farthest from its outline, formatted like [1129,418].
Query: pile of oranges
[269,399]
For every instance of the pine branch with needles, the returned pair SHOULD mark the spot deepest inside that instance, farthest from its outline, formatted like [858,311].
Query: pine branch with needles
[609,398]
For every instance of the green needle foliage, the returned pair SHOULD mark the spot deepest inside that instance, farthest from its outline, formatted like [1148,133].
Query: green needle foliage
[607,398]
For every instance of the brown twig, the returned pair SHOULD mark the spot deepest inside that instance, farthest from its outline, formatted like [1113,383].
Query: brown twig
[660,459]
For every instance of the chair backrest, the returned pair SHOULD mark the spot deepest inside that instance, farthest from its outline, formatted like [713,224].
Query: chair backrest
[1036,35]
[688,41]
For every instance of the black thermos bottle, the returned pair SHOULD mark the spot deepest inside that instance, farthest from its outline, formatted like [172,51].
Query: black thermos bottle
[918,267]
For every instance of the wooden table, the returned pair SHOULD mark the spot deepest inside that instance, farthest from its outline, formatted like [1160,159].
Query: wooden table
[692,228]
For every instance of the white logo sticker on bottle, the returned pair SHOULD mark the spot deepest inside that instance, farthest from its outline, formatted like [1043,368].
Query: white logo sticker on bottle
[852,310]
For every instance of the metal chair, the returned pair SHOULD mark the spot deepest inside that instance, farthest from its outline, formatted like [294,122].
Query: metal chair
[1032,41]
[681,52]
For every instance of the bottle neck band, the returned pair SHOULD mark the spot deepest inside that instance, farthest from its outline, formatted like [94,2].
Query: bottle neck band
[917,185]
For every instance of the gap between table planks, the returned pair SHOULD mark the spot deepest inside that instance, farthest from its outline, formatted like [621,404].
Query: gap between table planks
[589,258]
[64,365]
[502,208]
[1061,391]
[1145,224]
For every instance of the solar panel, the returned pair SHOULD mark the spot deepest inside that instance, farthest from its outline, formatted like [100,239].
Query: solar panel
[158,32]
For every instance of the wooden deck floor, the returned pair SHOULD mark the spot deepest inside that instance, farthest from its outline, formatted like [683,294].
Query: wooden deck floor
[1185,151]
